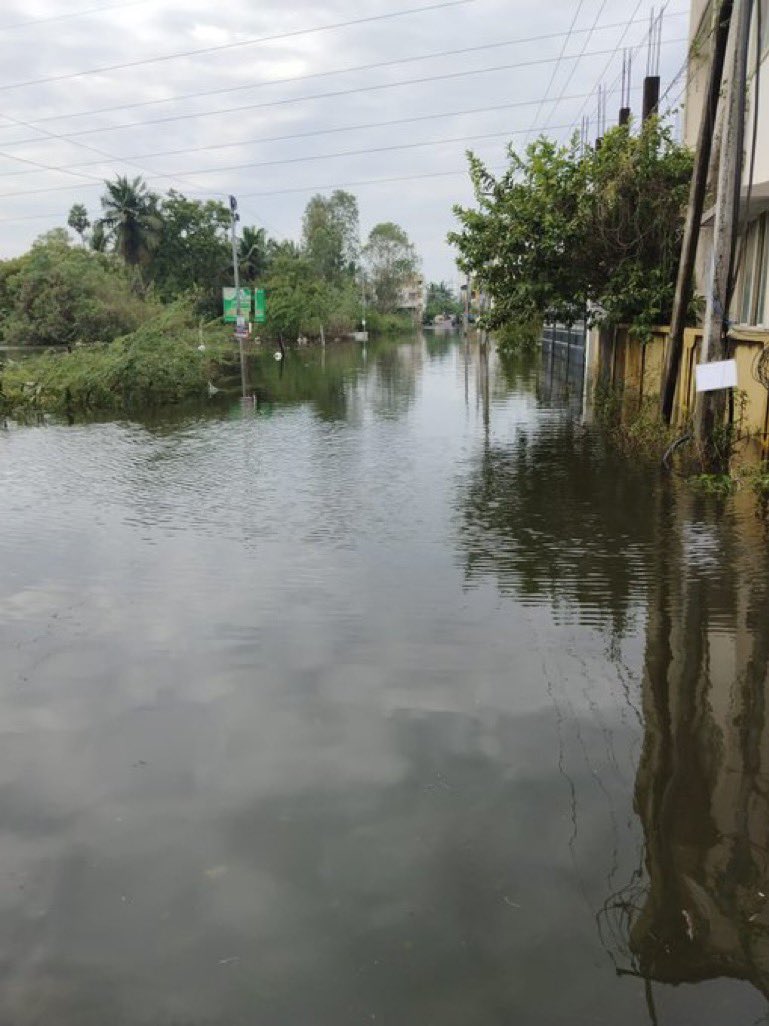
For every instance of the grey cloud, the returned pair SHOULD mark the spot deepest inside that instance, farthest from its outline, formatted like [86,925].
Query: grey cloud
[423,205]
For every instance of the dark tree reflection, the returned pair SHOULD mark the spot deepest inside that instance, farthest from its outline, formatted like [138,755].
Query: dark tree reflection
[702,788]
[554,518]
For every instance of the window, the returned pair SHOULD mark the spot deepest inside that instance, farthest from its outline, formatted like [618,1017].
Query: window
[762,305]
[754,264]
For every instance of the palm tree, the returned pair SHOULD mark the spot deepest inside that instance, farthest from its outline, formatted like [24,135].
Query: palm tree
[131,219]
[98,238]
[252,253]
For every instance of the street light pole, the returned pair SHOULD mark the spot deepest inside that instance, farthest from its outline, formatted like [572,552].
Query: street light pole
[236,274]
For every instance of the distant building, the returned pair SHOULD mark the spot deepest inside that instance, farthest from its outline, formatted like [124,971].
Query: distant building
[750,306]
[412,296]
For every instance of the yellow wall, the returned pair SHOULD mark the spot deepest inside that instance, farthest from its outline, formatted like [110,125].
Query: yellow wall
[637,369]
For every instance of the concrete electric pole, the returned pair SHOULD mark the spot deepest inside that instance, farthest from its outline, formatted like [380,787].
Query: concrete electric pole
[711,406]
[239,319]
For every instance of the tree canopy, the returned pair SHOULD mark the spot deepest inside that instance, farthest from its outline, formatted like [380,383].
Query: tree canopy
[567,230]
[330,235]
[131,219]
[391,261]
[144,249]
[58,293]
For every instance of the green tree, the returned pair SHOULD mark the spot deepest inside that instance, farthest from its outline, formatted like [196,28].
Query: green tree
[330,235]
[98,237]
[131,219]
[299,302]
[192,253]
[391,261]
[440,301]
[60,294]
[253,253]
[79,221]
[566,230]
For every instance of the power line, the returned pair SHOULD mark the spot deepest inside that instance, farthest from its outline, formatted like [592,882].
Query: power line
[326,74]
[72,15]
[446,76]
[558,62]
[582,54]
[616,50]
[304,188]
[290,160]
[359,184]
[301,135]
[362,152]
[85,146]
[143,61]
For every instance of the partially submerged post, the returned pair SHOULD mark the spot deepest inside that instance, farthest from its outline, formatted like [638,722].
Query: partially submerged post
[694,210]
[239,321]
[711,406]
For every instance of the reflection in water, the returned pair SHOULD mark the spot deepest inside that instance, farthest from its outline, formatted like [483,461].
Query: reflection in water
[397,698]
[553,516]
[702,789]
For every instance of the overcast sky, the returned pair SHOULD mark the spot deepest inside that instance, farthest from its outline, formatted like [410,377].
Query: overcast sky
[59,39]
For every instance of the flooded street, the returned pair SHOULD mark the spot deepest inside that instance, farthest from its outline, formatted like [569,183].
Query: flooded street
[399,699]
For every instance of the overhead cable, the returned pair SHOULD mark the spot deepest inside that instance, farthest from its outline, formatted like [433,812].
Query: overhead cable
[162,58]
[446,76]
[319,74]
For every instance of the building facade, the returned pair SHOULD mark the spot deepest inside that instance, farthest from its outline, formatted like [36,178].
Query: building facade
[750,304]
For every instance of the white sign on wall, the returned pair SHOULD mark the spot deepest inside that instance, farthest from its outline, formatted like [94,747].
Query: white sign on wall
[719,374]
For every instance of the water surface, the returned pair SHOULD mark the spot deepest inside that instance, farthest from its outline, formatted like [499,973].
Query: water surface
[398,698]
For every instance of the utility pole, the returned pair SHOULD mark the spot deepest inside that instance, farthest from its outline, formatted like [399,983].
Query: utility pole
[694,210]
[466,319]
[711,406]
[235,217]
[651,89]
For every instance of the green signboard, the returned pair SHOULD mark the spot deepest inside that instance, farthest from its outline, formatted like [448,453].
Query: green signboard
[260,306]
[230,305]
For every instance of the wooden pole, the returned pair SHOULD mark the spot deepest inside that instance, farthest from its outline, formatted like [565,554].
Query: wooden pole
[694,210]
[711,406]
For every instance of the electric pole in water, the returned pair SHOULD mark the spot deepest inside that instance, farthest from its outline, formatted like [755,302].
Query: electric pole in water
[711,406]
[239,320]
[691,237]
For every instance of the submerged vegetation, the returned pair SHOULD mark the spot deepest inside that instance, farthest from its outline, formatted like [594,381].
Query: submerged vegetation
[120,310]
[160,362]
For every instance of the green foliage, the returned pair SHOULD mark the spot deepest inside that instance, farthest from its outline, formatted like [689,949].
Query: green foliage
[192,251]
[128,301]
[388,323]
[637,429]
[391,261]
[158,363]
[298,301]
[714,484]
[253,254]
[759,482]
[131,219]
[330,235]
[440,301]
[565,230]
[59,294]
[519,337]
[78,220]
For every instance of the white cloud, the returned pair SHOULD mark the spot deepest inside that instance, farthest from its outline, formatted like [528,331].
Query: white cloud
[135,31]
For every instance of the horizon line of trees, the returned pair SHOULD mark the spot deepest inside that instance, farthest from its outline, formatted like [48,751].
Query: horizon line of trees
[145,250]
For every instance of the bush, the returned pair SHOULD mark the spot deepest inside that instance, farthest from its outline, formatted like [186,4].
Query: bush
[519,337]
[59,294]
[388,323]
[158,363]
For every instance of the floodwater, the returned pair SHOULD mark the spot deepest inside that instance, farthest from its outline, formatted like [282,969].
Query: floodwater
[398,699]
